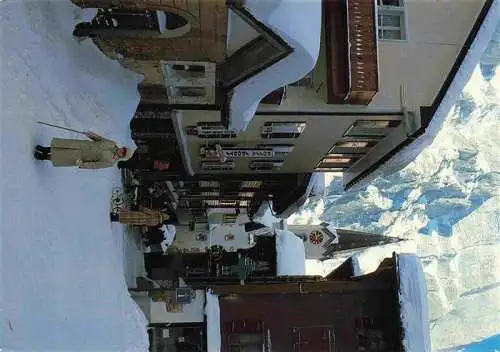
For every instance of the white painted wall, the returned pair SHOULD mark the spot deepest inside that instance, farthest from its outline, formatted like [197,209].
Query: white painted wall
[156,312]
[437,30]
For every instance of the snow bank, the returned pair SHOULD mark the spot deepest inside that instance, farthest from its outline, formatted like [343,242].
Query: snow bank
[87,14]
[299,24]
[212,312]
[291,254]
[413,300]
[408,154]
[62,267]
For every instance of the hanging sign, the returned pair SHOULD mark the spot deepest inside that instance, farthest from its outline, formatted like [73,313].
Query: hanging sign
[248,153]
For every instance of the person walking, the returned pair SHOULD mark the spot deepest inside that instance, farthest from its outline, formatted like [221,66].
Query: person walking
[97,153]
[142,217]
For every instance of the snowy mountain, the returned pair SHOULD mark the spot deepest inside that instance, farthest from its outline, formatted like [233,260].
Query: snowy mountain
[446,202]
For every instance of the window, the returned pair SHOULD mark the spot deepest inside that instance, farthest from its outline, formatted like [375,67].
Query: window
[337,161]
[251,184]
[190,82]
[306,81]
[371,128]
[217,165]
[282,129]
[391,20]
[216,203]
[246,336]
[210,130]
[369,335]
[246,343]
[210,194]
[246,194]
[187,71]
[229,218]
[265,165]
[280,151]
[208,184]
[190,91]
[313,339]
[353,147]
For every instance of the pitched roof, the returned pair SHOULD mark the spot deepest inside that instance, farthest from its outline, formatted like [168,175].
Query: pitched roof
[298,24]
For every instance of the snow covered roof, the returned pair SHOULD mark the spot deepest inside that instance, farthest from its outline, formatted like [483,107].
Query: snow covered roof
[316,177]
[299,24]
[468,59]
[212,313]
[291,254]
[413,301]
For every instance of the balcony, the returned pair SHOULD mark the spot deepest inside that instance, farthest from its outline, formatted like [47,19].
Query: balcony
[351,51]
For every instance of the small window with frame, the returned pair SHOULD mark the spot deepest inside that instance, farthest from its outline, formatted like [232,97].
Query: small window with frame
[391,20]
[193,92]
[376,129]
[282,129]
[217,165]
[271,165]
[281,151]
[337,161]
[358,146]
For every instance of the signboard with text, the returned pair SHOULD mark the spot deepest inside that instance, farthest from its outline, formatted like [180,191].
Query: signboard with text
[248,153]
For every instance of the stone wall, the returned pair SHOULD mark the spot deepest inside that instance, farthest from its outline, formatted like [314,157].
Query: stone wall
[205,41]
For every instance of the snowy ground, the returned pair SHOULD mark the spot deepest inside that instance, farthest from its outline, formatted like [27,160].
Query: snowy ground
[63,279]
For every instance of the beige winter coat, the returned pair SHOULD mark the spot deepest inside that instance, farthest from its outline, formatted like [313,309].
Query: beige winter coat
[96,154]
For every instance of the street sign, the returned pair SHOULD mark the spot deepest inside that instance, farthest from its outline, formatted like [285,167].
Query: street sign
[248,153]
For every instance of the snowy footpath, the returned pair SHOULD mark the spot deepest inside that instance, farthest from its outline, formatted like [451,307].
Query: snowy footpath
[63,284]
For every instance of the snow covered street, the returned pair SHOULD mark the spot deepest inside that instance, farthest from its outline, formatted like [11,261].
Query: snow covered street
[63,278]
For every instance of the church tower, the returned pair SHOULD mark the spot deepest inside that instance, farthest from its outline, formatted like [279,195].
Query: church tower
[323,241]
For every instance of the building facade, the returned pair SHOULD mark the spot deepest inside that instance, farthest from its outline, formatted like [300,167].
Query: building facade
[342,92]
[336,313]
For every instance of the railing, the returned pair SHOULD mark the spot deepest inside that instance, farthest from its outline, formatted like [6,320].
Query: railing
[363,61]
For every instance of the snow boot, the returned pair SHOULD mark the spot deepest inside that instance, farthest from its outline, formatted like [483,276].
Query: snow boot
[38,155]
[42,149]
[83,29]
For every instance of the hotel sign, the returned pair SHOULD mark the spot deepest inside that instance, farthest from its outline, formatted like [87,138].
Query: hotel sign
[248,153]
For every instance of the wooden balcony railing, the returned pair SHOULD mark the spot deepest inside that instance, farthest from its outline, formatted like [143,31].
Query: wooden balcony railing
[363,51]
[351,51]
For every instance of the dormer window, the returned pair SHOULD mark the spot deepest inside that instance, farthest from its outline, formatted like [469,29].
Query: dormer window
[391,20]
